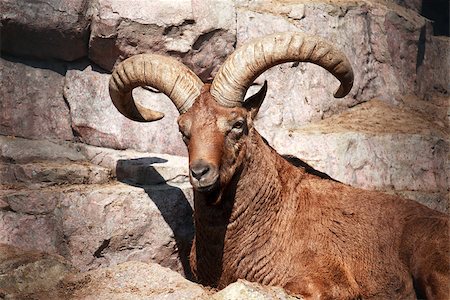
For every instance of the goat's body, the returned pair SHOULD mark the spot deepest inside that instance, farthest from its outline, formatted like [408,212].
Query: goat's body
[278,225]
[260,218]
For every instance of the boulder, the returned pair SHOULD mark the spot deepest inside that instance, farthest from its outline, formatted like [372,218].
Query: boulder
[243,289]
[106,225]
[377,146]
[137,167]
[199,33]
[97,122]
[22,151]
[29,272]
[411,4]
[380,39]
[38,275]
[131,280]
[45,29]
[32,103]
[66,202]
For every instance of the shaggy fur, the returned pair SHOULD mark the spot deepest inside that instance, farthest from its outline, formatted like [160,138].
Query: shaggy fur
[268,221]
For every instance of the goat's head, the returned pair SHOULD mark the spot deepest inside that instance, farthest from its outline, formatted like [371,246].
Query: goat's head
[215,121]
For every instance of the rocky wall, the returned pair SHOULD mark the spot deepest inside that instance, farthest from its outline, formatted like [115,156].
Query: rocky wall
[79,180]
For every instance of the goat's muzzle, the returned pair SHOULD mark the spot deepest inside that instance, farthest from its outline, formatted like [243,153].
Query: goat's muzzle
[204,176]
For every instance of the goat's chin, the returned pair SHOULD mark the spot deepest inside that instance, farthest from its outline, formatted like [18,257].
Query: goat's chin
[205,187]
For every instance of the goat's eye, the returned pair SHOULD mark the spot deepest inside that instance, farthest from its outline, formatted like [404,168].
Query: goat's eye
[238,124]
[185,137]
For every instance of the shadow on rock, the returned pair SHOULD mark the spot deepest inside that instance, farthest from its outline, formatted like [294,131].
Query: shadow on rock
[170,200]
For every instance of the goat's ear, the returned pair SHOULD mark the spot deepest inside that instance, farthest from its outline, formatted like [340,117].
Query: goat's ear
[253,103]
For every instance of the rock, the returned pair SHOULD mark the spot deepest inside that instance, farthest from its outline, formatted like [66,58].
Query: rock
[29,272]
[49,173]
[38,275]
[131,280]
[243,289]
[376,146]
[18,150]
[45,29]
[33,164]
[107,225]
[434,60]
[64,199]
[33,228]
[32,103]
[411,4]
[97,226]
[139,168]
[99,123]
[380,39]
[189,30]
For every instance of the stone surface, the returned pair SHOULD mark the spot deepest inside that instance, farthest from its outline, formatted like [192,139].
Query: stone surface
[380,39]
[47,174]
[243,289]
[412,4]
[96,121]
[107,225]
[199,33]
[37,275]
[137,167]
[101,207]
[377,146]
[31,102]
[97,226]
[433,65]
[131,280]
[29,272]
[45,29]
[22,151]
[65,201]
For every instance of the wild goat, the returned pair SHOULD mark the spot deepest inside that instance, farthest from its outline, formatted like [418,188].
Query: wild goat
[260,218]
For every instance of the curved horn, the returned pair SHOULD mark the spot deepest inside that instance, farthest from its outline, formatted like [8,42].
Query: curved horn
[252,59]
[166,74]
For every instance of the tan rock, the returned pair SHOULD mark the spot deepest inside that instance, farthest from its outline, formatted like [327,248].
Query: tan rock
[243,289]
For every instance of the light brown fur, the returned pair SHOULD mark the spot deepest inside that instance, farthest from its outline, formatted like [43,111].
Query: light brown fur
[266,220]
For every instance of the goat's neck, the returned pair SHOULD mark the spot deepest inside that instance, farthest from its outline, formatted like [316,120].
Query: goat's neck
[249,207]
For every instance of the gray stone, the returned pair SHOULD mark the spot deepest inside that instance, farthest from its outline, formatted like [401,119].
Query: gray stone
[102,225]
[37,275]
[65,201]
[199,33]
[107,225]
[131,280]
[243,289]
[97,122]
[45,29]
[32,103]
[50,173]
[27,231]
[18,150]
[411,4]
[376,146]
[29,272]
[138,167]
[380,39]
[433,65]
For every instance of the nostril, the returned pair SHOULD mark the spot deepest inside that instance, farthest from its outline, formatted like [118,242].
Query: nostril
[198,171]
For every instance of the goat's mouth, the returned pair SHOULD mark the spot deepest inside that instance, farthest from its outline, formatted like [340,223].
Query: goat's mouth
[205,186]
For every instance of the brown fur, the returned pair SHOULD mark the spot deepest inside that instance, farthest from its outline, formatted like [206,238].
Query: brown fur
[268,221]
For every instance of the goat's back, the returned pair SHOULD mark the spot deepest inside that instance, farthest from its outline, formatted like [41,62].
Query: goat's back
[378,241]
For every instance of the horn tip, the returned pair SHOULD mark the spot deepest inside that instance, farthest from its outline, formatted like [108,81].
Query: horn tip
[342,91]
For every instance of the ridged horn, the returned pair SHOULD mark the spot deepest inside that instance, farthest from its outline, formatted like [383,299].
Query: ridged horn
[250,60]
[164,73]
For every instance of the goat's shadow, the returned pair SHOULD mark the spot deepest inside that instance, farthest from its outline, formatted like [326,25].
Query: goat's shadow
[170,200]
